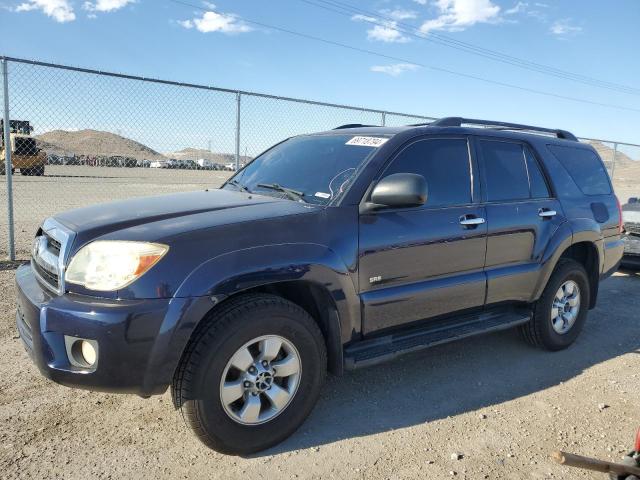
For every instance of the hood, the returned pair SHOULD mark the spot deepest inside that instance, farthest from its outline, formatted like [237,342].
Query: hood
[176,212]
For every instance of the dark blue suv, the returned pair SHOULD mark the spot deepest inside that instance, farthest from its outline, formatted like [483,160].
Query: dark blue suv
[328,251]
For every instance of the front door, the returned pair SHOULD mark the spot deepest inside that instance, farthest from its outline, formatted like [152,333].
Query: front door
[421,262]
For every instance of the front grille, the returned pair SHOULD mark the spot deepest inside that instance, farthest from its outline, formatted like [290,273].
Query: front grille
[24,329]
[54,245]
[50,253]
[50,278]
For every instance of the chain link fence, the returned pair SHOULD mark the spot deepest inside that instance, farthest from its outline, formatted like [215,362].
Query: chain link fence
[82,136]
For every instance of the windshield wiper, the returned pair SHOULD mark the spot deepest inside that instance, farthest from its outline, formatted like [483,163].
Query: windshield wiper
[292,194]
[240,186]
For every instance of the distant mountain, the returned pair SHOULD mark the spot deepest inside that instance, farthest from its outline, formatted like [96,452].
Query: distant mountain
[94,143]
[198,153]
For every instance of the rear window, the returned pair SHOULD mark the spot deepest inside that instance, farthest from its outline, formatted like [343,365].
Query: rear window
[585,168]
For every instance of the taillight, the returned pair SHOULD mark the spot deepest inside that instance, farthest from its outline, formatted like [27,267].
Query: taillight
[620,224]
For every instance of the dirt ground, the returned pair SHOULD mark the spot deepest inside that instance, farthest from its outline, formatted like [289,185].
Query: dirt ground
[500,404]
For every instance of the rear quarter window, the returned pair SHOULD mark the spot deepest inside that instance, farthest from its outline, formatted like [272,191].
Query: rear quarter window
[585,168]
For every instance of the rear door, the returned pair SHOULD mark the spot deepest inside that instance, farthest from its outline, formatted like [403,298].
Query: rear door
[421,262]
[522,216]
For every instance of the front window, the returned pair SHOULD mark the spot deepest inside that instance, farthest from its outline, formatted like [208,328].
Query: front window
[313,169]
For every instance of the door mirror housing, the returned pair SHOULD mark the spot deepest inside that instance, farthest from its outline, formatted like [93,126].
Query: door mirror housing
[399,190]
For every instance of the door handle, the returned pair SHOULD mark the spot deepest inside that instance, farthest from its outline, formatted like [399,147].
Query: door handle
[547,213]
[471,221]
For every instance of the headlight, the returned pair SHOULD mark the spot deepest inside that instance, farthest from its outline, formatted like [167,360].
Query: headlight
[108,265]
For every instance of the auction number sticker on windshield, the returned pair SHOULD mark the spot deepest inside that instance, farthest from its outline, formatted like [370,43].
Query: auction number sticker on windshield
[367,141]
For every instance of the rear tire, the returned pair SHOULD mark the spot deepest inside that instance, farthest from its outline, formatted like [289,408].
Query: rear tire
[212,362]
[557,319]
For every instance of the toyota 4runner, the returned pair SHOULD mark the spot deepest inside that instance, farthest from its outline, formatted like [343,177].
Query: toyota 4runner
[329,251]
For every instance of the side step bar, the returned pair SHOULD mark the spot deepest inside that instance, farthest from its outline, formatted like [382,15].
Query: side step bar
[381,349]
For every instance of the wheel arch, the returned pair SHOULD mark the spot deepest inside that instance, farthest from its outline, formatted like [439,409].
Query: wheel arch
[318,302]
[586,253]
[580,242]
[310,275]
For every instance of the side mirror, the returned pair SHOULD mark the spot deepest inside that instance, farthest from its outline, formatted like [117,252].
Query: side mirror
[399,190]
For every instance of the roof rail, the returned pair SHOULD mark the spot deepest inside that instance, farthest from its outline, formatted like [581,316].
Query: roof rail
[458,121]
[354,125]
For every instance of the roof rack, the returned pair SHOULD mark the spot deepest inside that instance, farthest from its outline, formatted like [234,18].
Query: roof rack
[354,125]
[458,121]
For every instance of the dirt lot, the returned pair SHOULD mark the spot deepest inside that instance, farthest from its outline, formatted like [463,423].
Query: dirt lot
[499,403]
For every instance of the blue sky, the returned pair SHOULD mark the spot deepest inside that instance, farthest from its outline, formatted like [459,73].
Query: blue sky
[218,45]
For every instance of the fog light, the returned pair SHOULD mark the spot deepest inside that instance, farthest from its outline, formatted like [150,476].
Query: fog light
[81,352]
[88,352]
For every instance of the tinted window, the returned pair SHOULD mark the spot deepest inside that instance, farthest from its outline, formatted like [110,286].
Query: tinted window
[585,168]
[444,164]
[538,184]
[504,171]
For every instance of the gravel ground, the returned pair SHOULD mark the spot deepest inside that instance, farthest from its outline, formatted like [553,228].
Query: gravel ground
[498,403]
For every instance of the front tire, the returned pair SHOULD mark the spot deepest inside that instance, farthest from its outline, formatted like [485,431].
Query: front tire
[560,312]
[251,375]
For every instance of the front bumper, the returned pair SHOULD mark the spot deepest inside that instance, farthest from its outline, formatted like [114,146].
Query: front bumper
[139,341]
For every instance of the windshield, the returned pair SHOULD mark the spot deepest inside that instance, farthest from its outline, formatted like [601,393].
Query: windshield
[313,169]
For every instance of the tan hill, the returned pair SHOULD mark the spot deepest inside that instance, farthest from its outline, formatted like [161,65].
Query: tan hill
[198,153]
[94,143]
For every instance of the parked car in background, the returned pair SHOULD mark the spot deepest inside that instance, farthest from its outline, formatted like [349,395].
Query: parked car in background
[329,251]
[188,164]
[204,164]
[631,219]
[231,166]
[158,164]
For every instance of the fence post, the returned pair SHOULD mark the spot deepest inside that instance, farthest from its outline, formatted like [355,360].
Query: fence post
[7,158]
[384,119]
[238,97]
[613,164]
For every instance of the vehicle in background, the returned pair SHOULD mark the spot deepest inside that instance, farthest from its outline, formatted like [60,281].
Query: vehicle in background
[631,238]
[204,164]
[231,166]
[25,154]
[187,164]
[158,164]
